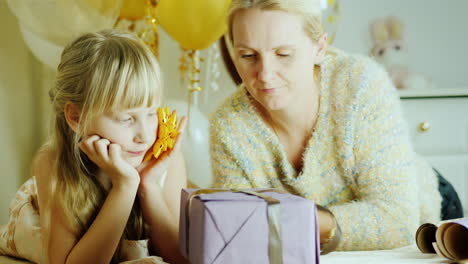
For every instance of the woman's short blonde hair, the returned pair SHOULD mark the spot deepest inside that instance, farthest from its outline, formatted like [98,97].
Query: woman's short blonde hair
[308,10]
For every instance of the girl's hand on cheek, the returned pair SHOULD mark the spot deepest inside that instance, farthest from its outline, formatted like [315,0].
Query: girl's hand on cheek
[108,157]
[152,170]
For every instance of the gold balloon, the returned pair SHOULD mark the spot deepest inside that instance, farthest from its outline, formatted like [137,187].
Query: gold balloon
[194,24]
[133,9]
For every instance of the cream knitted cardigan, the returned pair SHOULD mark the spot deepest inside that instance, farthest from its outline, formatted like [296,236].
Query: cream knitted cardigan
[359,162]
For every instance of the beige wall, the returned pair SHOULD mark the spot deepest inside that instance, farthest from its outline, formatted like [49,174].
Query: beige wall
[434,33]
[19,133]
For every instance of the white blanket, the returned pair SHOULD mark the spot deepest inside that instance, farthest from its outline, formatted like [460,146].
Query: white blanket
[403,255]
[409,254]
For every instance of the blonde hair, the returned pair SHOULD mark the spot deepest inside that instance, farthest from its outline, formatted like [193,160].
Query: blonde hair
[308,10]
[98,72]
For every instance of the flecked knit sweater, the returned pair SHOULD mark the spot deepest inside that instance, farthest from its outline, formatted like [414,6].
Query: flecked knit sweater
[358,162]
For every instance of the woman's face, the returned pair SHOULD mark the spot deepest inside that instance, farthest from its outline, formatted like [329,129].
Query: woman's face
[274,56]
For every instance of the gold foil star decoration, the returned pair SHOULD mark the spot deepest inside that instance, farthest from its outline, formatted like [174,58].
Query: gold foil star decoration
[167,134]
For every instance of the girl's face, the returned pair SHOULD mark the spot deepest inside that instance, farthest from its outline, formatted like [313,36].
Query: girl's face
[133,129]
[274,56]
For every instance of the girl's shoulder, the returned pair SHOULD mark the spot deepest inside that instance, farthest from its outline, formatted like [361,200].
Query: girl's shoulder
[43,162]
[42,169]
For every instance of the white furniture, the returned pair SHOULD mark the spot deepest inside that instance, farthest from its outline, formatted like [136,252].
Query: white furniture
[438,123]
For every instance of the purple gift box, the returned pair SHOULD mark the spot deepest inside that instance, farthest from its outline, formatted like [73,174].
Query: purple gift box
[220,226]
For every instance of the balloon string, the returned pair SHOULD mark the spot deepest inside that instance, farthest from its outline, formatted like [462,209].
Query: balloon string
[194,82]
[183,64]
[153,40]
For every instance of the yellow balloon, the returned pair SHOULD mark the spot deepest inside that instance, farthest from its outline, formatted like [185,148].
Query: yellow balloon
[194,24]
[133,9]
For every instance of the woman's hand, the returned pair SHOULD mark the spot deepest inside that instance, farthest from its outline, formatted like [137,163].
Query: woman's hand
[330,232]
[108,157]
[153,170]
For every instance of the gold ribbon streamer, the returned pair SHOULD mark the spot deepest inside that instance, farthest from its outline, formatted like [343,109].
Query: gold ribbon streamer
[275,242]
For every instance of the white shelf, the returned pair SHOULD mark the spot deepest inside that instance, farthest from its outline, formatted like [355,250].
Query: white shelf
[434,92]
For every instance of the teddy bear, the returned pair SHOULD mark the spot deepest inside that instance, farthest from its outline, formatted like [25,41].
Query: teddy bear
[390,51]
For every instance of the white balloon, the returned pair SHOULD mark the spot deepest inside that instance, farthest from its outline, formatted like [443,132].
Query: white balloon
[45,51]
[48,25]
[195,144]
[61,21]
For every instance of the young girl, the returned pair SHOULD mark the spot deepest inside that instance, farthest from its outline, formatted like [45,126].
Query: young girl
[97,201]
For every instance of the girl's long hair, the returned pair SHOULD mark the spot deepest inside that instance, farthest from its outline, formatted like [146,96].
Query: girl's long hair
[98,72]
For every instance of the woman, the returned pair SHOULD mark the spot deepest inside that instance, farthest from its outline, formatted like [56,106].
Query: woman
[319,123]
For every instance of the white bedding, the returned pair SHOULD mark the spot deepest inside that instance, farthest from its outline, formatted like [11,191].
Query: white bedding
[7,260]
[409,254]
[403,255]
